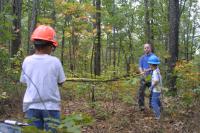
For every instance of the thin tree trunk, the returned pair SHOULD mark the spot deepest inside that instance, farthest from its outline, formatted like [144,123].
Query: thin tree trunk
[93,46]
[1,5]
[148,7]
[152,24]
[126,61]
[130,56]
[191,48]
[62,49]
[15,44]
[91,61]
[33,22]
[1,10]
[97,54]
[119,51]
[114,51]
[187,43]
[34,15]
[73,50]
[63,42]
[114,40]
[53,14]
[108,51]
[189,30]
[70,57]
[147,22]
[29,26]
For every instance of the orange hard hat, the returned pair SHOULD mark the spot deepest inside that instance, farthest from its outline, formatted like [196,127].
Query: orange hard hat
[45,33]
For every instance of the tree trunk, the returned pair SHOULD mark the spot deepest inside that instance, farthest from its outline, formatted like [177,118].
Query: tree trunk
[119,51]
[73,49]
[114,40]
[130,57]
[192,45]
[62,48]
[34,15]
[29,20]
[108,51]
[91,61]
[1,5]
[92,67]
[173,41]
[16,41]
[32,23]
[147,22]
[1,10]
[63,41]
[187,42]
[152,24]
[97,51]
[148,7]
[53,14]
[189,30]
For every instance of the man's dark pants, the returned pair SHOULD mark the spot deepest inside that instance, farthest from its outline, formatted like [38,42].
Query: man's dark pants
[143,85]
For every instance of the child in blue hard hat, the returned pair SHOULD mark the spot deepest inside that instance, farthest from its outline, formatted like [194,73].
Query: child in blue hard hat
[156,84]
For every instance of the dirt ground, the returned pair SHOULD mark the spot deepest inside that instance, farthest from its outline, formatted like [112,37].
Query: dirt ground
[122,118]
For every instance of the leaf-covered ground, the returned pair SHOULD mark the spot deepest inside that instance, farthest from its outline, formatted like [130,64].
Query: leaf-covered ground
[119,117]
[122,118]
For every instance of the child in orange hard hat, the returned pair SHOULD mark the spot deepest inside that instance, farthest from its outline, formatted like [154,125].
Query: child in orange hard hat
[42,73]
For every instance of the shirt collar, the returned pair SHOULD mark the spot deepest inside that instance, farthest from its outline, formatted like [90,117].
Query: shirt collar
[149,54]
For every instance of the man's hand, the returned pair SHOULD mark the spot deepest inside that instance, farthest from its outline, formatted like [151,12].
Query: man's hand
[147,70]
[142,73]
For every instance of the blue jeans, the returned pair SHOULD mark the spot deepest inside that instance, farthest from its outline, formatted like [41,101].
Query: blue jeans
[156,104]
[44,119]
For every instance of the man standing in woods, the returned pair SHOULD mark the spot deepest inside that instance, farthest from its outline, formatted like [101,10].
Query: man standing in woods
[42,73]
[145,72]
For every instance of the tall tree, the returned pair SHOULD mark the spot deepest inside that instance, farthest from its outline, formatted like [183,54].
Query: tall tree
[97,47]
[148,7]
[16,41]
[173,41]
[1,5]
[32,21]
[114,38]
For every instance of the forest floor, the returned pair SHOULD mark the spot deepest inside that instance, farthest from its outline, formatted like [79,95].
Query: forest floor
[123,118]
[119,117]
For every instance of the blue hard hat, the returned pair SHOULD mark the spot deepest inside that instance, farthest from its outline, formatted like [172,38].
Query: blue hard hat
[154,60]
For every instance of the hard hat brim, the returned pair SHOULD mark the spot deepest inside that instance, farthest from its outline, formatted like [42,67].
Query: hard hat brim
[55,43]
[156,63]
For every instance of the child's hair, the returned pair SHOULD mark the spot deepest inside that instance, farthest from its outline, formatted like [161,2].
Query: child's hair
[155,65]
[41,44]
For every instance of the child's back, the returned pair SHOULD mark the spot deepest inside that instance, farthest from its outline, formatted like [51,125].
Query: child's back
[42,72]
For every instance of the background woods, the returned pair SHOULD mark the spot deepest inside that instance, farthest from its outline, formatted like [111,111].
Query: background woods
[104,39]
[99,36]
